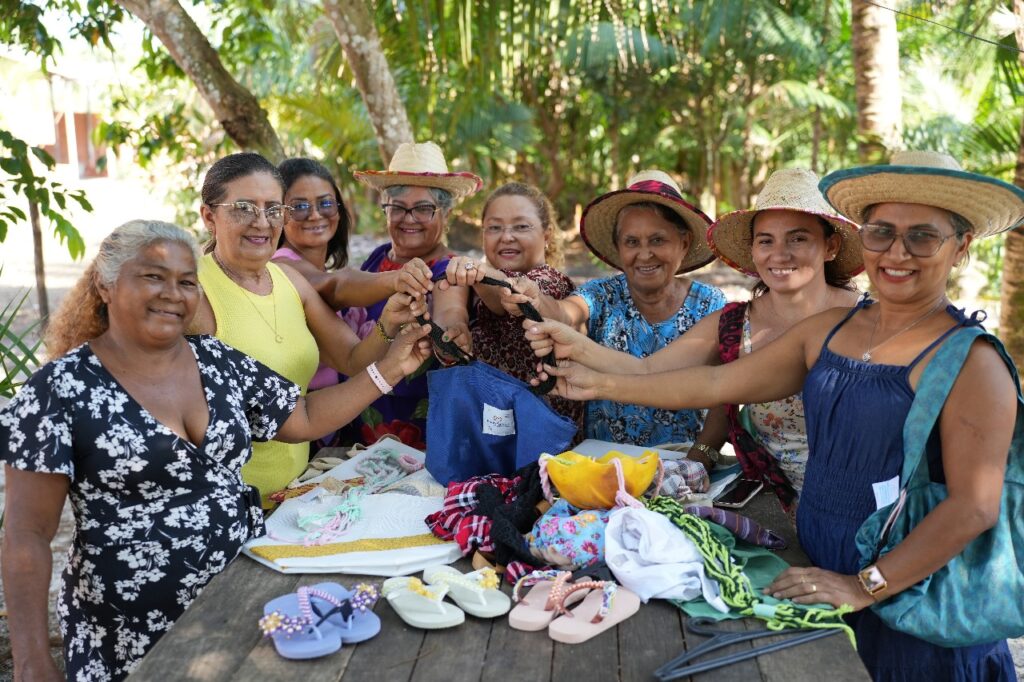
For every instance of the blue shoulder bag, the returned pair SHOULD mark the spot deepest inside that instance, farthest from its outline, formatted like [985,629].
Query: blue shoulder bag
[483,421]
[978,597]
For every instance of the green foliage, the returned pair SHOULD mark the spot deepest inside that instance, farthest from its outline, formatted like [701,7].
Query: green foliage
[50,196]
[17,354]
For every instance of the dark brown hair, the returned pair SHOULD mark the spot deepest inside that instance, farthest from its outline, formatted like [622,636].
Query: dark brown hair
[337,248]
[834,277]
[226,170]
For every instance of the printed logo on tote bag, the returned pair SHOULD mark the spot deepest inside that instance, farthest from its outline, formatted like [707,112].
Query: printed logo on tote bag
[499,422]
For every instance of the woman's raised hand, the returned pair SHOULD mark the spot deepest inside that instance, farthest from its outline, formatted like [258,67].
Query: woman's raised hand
[574,381]
[526,291]
[464,271]
[407,352]
[459,333]
[414,279]
[401,309]
[566,342]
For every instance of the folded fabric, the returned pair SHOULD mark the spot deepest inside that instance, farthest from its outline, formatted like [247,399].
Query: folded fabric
[568,537]
[655,559]
[589,483]
[684,476]
[741,526]
[456,521]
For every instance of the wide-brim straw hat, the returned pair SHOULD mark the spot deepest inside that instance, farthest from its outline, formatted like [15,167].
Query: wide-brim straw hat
[931,179]
[598,221]
[421,165]
[791,189]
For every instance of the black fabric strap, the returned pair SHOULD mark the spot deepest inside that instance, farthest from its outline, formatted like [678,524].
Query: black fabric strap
[451,349]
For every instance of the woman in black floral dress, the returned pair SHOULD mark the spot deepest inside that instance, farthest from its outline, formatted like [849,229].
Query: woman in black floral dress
[146,430]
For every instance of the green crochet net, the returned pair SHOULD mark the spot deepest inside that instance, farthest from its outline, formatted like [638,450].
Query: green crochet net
[734,585]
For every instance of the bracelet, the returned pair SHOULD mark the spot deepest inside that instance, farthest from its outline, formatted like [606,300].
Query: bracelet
[378,379]
[383,334]
[713,455]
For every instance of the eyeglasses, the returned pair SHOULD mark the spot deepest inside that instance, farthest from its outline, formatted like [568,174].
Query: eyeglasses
[421,213]
[920,243]
[301,210]
[495,230]
[247,213]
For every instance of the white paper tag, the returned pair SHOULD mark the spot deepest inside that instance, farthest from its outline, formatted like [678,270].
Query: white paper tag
[499,422]
[886,492]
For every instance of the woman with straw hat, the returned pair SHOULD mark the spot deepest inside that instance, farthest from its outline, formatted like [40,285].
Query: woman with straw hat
[803,255]
[859,370]
[653,235]
[417,195]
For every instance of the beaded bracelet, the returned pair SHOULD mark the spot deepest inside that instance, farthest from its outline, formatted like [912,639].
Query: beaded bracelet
[383,334]
[378,379]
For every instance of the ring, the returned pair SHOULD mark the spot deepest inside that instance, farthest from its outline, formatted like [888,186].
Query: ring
[814,588]
[470,265]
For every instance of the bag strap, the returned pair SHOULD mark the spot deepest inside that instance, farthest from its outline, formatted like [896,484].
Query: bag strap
[452,350]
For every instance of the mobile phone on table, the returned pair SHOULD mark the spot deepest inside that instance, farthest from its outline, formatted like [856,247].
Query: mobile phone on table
[738,493]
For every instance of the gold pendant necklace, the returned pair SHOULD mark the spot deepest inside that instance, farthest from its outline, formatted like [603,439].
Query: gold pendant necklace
[866,357]
[248,296]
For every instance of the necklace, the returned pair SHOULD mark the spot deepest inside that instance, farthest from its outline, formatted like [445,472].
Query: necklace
[248,296]
[234,275]
[866,357]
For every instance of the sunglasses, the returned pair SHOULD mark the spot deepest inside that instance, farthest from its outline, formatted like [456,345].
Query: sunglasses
[326,208]
[919,243]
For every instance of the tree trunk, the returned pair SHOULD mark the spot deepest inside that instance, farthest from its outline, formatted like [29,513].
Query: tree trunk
[876,61]
[1012,302]
[358,37]
[236,108]
[37,245]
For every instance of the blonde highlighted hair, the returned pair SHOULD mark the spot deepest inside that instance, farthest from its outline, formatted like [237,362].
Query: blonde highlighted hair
[83,314]
[553,255]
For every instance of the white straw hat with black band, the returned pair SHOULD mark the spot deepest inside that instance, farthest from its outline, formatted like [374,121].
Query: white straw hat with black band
[598,222]
[935,179]
[421,165]
[790,189]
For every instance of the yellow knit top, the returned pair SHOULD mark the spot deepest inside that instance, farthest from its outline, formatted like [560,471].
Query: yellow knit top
[253,324]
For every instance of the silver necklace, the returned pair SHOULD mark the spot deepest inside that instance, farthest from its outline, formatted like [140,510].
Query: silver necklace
[866,357]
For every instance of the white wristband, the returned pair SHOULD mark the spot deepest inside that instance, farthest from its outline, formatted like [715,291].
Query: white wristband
[378,379]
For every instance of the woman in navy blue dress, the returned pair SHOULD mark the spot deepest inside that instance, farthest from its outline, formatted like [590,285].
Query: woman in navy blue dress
[859,370]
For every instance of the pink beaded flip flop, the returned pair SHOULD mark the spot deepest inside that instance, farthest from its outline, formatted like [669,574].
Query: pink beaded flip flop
[547,588]
[604,607]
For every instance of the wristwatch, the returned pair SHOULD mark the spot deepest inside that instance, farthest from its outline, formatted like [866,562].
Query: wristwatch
[711,453]
[872,581]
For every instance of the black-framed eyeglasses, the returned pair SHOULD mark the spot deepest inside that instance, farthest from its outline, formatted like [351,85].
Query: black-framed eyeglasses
[301,210]
[420,213]
[247,213]
[919,243]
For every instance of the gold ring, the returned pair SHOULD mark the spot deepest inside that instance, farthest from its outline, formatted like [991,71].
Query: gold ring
[814,588]
[803,579]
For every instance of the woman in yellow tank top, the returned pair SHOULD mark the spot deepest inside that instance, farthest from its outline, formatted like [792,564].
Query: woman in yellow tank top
[269,311]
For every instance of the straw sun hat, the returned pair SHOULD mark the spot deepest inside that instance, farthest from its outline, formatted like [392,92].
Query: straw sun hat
[791,189]
[655,186]
[422,165]
[932,179]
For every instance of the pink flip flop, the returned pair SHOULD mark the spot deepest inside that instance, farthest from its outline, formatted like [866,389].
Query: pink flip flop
[604,607]
[547,590]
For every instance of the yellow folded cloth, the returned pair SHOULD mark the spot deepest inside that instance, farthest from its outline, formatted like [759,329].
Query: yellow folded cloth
[588,483]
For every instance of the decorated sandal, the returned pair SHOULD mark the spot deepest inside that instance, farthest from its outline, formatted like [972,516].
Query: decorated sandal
[296,630]
[354,617]
[547,590]
[476,593]
[421,606]
[604,607]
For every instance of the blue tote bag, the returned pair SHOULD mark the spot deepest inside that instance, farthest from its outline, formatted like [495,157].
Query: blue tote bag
[978,597]
[483,421]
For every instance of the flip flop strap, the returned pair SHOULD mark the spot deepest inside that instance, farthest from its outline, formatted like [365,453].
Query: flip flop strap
[434,593]
[538,576]
[607,588]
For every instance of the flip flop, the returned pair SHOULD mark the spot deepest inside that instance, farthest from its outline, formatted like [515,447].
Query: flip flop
[421,606]
[604,607]
[355,620]
[297,633]
[546,591]
[476,593]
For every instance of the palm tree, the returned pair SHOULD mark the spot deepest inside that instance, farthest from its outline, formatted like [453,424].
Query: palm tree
[876,63]
[1012,305]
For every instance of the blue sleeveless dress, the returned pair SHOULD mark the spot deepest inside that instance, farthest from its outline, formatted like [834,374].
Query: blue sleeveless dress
[855,413]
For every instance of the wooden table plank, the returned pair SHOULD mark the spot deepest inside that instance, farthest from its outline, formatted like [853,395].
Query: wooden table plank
[517,655]
[648,639]
[454,653]
[392,655]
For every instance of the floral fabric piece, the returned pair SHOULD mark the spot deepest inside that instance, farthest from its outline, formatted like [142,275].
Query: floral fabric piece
[568,537]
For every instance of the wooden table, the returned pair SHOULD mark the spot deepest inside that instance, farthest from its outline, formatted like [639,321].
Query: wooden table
[217,639]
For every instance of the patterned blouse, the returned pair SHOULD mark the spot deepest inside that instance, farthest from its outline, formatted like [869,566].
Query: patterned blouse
[499,341]
[616,322]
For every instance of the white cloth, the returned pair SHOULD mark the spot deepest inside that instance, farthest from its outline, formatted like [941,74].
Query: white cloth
[649,555]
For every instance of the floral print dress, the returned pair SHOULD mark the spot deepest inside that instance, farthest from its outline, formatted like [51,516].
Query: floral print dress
[156,516]
[616,322]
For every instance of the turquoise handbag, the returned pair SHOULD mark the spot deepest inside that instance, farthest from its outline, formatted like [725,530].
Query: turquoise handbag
[978,596]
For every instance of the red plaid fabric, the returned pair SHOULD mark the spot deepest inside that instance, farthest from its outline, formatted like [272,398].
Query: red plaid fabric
[455,522]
